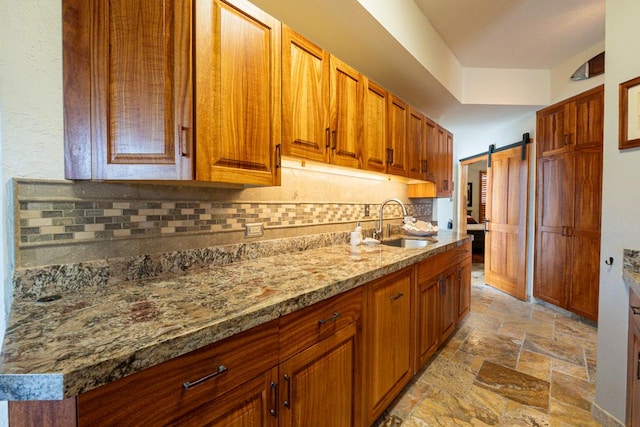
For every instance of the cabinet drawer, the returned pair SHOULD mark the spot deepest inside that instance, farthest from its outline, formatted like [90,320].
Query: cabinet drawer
[303,328]
[436,264]
[159,394]
[463,252]
[634,301]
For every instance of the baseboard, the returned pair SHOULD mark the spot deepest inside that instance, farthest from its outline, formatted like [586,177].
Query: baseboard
[604,418]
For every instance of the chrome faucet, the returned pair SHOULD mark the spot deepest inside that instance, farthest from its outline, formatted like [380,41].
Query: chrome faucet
[378,232]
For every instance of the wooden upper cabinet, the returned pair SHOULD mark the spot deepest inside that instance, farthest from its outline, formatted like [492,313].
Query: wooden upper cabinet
[127,89]
[573,124]
[345,106]
[374,148]
[431,145]
[305,98]
[589,120]
[444,163]
[554,129]
[398,119]
[237,93]
[416,147]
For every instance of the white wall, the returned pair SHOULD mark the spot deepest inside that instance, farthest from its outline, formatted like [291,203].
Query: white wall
[30,112]
[621,202]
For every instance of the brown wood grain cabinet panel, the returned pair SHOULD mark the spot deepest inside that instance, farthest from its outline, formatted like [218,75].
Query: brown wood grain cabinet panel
[237,93]
[126,401]
[569,205]
[464,278]
[49,413]
[398,128]
[431,143]
[633,362]
[321,385]
[253,403]
[427,319]
[416,147]
[127,89]
[389,335]
[301,329]
[374,149]
[305,98]
[345,109]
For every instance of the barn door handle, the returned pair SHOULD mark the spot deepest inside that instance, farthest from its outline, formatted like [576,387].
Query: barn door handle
[486,221]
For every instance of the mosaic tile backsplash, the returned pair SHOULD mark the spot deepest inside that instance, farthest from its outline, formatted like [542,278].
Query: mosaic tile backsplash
[68,221]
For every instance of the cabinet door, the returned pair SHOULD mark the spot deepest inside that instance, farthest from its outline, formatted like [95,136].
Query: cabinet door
[464,281]
[254,403]
[633,362]
[584,271]
[416,149]
[554,204]
[346,104]
[319,387]
[237,83]
[444,183]
[305,97]
[449,294]
[388,340]
[431,143]
[398,128]
[374,148]
[589,120]
[127,89]
[428,320]
[555,129]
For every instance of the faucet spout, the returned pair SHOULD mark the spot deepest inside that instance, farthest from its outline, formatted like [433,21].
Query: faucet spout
[378,231]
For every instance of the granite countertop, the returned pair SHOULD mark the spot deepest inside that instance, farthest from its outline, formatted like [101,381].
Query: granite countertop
[58,349]
[631,269]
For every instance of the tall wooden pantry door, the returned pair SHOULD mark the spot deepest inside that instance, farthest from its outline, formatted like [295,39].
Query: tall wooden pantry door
[506,221]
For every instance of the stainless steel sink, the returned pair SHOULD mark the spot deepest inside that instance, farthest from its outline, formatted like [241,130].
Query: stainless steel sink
[403,242]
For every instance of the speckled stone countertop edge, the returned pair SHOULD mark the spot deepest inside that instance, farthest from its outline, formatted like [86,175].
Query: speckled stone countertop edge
[66,378]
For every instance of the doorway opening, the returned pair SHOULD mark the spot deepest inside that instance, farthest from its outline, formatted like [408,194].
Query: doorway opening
[473,207]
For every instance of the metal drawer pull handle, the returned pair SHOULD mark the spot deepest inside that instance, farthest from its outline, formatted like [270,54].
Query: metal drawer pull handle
[400,295]
[333,317]
[287,402]
[636,310]
[274,399]
[221,370]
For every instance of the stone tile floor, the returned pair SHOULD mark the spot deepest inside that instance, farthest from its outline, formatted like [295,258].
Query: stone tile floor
[510,363]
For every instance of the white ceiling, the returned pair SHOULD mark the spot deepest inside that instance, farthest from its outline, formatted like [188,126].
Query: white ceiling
[532,34]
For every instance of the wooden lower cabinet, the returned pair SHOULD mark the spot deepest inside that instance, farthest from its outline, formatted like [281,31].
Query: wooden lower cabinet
[633,362]
[320,386]
[427,319]
[254,403]
[321,364]
[464,278]
[388,337]
[339,362]
[443,299]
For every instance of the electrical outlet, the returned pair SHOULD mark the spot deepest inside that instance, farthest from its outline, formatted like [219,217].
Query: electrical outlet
[253,230]
[366,209]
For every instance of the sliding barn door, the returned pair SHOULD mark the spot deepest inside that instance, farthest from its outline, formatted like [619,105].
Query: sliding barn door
[506,221]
